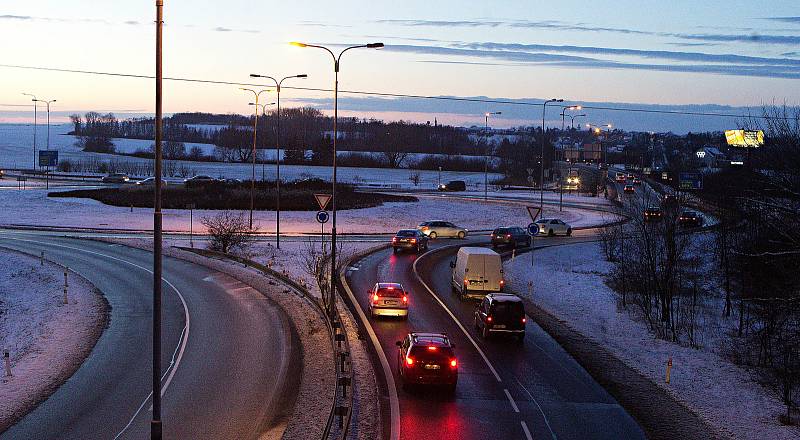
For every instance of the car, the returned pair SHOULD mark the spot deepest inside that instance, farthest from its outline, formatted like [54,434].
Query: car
[629,189]
[427,359]
[630,176]
[637,181]
[199,180]
[437,228]
[232,181]
[511,236]
[453,185]
[476,272]
[652,213]
[388,299]
[116,178]
[553,226]
[501,313]
[691,219]
[150,181]
[669,200]
[410,239]
[620,177]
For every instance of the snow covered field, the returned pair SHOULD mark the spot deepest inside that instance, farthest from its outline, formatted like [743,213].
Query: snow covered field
[16,151]
[33,207]
[568,282]
[46,339]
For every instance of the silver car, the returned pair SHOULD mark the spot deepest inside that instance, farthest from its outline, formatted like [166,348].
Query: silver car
[115,178]
[388,299]
[553,226]
[151,181]
[438,228]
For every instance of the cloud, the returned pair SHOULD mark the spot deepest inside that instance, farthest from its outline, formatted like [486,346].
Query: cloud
[444,23]
[794,20]
[225,29]
[752,38]
[132,22]
[15,17]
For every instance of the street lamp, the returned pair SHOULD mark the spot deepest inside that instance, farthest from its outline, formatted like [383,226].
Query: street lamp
[564,109]
[336,60]
[598,130]
[255,132]
[278,150]
[572,122]
[541,174]
[34,126]
[486,156]
[264,115]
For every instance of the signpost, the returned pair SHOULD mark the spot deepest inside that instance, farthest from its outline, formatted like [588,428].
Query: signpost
[47,159]
[534,212]
[322,200]
[690,181]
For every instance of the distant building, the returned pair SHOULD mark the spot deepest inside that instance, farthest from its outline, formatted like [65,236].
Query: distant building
[711,159]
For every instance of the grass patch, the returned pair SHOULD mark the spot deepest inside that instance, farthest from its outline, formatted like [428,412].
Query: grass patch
[295,196]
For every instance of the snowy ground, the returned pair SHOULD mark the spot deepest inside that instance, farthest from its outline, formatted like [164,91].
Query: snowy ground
[33,207]
[568,283]
[46,339]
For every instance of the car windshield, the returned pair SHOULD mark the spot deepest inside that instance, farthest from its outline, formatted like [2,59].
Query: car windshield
[407,233]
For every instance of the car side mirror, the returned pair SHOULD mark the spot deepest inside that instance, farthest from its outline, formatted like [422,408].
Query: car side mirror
[453,264]
[398,343]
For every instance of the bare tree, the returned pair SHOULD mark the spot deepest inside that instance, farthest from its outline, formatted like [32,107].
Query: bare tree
[229,231]
[414,178]
[315,261]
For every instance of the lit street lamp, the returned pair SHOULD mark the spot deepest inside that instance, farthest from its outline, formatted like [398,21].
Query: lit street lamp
[336,60]
[598,130]
[278,150]
[255,132]
[34,127]
[263,115]
[486,157]
[541,174]
[564,109]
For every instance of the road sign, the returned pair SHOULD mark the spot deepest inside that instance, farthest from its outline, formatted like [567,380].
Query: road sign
[530,171]
[322,216]
[534,212]
[322,200]
[690,181]
[48,158]
[533,229]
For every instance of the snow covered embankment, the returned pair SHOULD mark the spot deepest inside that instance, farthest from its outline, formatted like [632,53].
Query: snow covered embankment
[47,340]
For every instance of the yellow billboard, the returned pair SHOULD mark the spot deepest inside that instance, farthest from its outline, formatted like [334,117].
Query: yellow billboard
[744,138]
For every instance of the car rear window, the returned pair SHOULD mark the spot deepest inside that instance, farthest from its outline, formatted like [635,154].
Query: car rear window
[407,234]
[511,310]
[440,355]
[390,293]
[500,231]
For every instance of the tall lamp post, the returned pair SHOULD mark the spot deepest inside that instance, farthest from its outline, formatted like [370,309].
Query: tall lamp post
[572,117]
[336,61]
[597,130]
[278,151]
[263,115]
[155,422]
[564,109]
[486,156]
[541,174]
[35,101]
[255,133]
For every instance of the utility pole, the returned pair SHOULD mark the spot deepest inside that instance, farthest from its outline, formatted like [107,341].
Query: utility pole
[155,424]
[35,101]
[541,174]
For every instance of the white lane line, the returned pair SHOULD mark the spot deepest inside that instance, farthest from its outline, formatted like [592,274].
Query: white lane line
[175,362]
[525,429]
[511,400]
[458,323]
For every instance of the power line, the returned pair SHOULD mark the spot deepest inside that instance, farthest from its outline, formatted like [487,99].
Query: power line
[383,94]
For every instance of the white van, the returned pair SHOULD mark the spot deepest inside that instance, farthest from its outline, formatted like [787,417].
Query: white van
[476,272]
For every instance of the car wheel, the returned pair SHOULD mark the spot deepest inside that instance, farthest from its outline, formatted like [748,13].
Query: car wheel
[475,322]
[550,233]
[461,235]
[432,236]
[528,243]
[485,332]
[417,250]
[394,250]
[569,232]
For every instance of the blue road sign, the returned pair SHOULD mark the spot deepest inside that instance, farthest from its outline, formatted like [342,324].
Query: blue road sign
[323,216]
[48,158]
[533,229]
[691,181]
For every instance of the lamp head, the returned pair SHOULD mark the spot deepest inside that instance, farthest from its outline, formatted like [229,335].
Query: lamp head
[298,44]
[375,45]
[255,75]
[302,75]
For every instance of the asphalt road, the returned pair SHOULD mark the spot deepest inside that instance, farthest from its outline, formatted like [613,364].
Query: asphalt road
[226,352]
[506,390]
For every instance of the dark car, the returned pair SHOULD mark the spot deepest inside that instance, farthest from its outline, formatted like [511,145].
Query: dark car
[427,359]
[410,239]
[669,200]
[652,213]
[691,219]
[116,178]
[629,189]
[511,236]
[500,313]
[453,185]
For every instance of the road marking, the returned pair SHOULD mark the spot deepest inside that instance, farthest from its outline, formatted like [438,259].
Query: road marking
[184,338]
[458,323]
[394,402]
[511,400]
[527,432]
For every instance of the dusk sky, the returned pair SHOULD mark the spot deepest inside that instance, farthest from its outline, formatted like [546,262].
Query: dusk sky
[730,53]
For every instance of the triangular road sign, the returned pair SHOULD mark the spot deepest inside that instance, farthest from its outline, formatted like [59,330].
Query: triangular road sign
[322,200]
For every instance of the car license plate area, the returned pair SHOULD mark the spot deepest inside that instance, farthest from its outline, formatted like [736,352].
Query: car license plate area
[389,303]
[432,367]
[476,281]
[500,326]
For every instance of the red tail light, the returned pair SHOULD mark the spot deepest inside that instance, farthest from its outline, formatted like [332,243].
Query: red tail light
[502,282]
[488,319]
[394,239]
[524,320]
[409,361]
[413,240]
[375,298]
[453,363]
[405,299]
[508,236]
[432,348]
